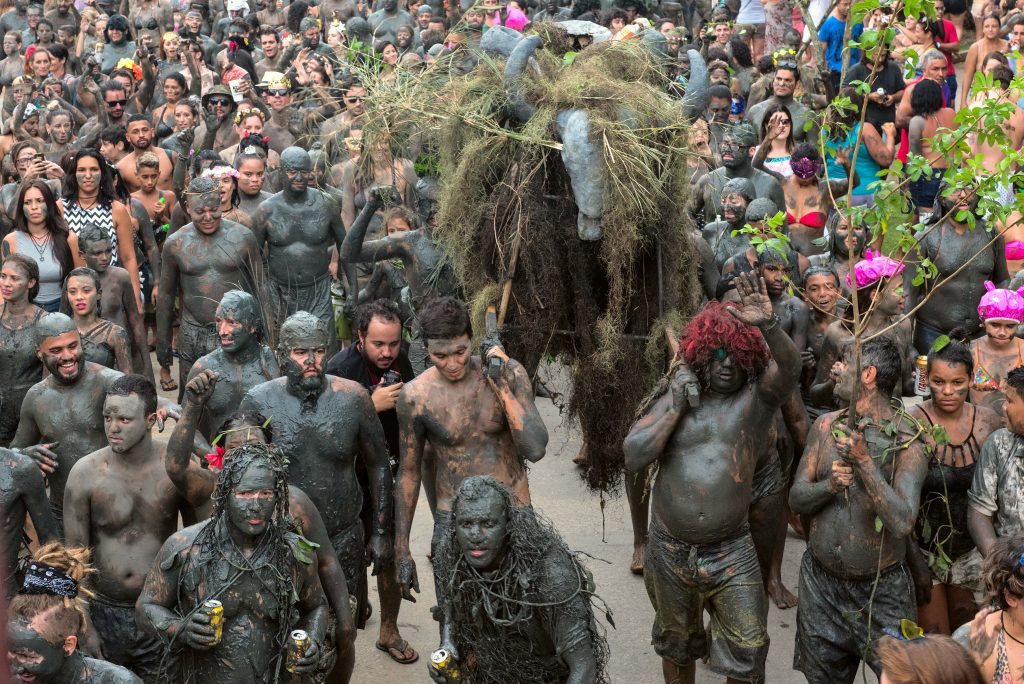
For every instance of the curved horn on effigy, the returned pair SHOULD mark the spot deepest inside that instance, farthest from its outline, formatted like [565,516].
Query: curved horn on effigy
[514,67]
[696,99]
[582,158]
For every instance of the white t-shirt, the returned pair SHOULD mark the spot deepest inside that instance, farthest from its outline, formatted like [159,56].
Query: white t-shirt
[751,12]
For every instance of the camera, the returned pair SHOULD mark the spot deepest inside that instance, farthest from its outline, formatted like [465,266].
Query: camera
[390,377]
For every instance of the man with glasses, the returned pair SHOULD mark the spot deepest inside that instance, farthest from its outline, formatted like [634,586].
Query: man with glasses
[217,130]
[355,94]
[285,124]
[295,230]
[787,76]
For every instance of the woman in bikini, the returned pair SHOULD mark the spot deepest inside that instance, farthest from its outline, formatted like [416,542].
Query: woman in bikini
[945,564]
[809,196]
[103,342]
[776,148]
[999,351]
[373,165]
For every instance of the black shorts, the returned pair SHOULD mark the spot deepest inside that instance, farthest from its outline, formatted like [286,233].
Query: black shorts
[123,642]
[683,580]
[768,478]
[832,631]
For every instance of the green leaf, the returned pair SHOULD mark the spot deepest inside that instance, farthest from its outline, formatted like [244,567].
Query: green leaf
[878,524]
[926,530]
[941,342]
[569,58]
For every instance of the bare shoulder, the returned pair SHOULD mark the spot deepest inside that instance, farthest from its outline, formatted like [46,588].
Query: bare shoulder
[86,465]
[988,421]
[349,389]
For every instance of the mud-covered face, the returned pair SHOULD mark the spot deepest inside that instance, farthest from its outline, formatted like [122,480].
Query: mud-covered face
[297,170]
[251,505]
[14,283]
[59,128]
[88,174]
[125,422]
[718,109]
[774,278]
[949,383]
[734,153]
[32,658]
[233,334]
[98,255]
[727,377]
[403,37]
[82,294]
[451,356]
[243,435]
[890,299]
[1001,332]
[204,210]
[184,117]
[63,357]
[304,365]
[822,291]
[1014,408]
[33,205]
[842,233]
[481,528]
[734,209]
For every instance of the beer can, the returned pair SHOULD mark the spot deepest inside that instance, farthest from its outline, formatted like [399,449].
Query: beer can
[921,376]
[441,661]
[215,609]
[99,47]
[296,649]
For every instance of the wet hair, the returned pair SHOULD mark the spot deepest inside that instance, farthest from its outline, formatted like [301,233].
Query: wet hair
[247,419]
[805,150]
[381,308]
[112,86]
[766,64]
[883,354]
[399,212]
[791,69]
[739,186]
[510,602]
[742,133]
[832,225]
[55,224]
[295,13]
[1002,75]
[115,135]
[931,659]
[1002,569]
[61,616]
[720,92]
[107,194]
[84,272]
[135,118]
[235,197]
[445,318]
[741,53]
[1015,379]
[147,160]
[714,328]
[761,209]
[30,268]
[926,98]
[140,386]
[820,271]
[957,351]
[177,78]
[191,103]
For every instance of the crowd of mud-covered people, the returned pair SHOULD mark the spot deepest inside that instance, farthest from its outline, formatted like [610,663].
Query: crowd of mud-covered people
[179,177]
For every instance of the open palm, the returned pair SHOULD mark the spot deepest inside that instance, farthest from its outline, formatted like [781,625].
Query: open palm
[755,307]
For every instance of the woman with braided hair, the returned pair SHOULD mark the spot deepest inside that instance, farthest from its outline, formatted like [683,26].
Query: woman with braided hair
[518,602]
[47,617]
[249,557]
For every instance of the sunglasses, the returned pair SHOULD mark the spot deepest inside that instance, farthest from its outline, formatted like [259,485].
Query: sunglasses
[219,101]
[116,103]
[277,92]
[786,64]
[353,100]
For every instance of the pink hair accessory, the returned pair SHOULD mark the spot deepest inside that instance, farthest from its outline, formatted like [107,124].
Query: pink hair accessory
[1001,305]
[872,269]
[516,19]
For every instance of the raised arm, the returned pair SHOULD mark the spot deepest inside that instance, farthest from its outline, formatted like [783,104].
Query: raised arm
[195,484]
[756,309]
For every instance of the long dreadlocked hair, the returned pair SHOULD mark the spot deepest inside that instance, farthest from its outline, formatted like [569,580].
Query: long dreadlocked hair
[485,612]
[714,328]
[274,552]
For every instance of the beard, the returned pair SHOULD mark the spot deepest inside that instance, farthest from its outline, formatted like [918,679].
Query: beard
[307,390]
[54,368]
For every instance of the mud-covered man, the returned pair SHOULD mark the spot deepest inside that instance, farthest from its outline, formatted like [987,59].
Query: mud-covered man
[240,363]
[739,366]
[860,487]
[296,229]
[22,492]
[535,626]
[323,424]
[120,502]
[202,261]
[476,424]
[250,557]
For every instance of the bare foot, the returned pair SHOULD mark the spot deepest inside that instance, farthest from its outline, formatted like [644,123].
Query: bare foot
[639,552]
[581,456]
[781,596]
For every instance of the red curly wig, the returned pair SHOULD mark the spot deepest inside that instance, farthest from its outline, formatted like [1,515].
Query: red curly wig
[713,328]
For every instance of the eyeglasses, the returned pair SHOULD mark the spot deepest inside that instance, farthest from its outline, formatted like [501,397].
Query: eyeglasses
[278,92]
[219,101]
[116,103]
[786,64]
[785,122]
[353,100]
[26,161]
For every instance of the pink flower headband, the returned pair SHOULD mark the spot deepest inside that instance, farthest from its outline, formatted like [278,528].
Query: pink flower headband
[219,172]
[872,269]
[1001,305]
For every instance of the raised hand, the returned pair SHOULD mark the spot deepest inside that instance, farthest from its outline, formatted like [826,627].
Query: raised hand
[755,306]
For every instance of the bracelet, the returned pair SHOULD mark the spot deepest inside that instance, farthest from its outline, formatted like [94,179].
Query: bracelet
[771,325]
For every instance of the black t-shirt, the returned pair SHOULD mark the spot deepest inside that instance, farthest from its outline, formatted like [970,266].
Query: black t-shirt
[350,364]
[889,79]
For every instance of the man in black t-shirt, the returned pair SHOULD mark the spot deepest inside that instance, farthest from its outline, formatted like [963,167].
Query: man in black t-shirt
[378,362]
[887,88]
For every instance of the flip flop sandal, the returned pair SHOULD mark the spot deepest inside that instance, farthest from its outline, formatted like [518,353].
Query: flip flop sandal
[400,646]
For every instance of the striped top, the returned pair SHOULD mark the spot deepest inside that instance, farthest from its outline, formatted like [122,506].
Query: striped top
[102,215]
